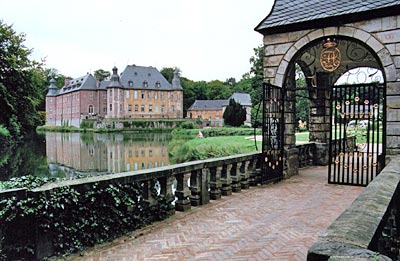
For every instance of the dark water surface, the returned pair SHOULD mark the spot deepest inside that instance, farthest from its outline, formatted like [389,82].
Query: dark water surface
[68,155]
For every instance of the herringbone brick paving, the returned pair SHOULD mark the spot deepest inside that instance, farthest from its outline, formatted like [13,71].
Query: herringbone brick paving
[273,222]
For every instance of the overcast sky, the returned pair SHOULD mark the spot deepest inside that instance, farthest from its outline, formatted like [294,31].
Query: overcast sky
[207,39]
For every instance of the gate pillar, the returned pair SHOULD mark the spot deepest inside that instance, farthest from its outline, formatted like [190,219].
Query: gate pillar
[320,117]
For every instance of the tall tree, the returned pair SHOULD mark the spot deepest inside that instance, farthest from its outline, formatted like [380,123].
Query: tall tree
[257,74]
[217,90]
[22,83]
[101,74]
[234,114]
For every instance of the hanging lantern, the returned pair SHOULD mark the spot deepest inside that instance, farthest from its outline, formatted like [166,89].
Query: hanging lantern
[330,56]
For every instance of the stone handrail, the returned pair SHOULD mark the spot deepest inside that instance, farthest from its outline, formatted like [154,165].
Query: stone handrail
[368,229]
[195,184]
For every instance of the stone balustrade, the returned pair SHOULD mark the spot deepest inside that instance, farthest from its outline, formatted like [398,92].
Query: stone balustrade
[369,228]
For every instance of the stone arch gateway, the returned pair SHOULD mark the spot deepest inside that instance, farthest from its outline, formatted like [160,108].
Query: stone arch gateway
[325,42]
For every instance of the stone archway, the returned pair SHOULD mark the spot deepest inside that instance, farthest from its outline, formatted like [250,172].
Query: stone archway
[288,34]
[352,53]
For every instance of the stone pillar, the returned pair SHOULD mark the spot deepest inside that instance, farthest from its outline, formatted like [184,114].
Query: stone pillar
[251,169]
[215,182]
[199,187]
[320,109]
[291,161]
[147,192]
[392,117]
[236,187]
[244,174]
[166,190]
[226,180]
[182,192]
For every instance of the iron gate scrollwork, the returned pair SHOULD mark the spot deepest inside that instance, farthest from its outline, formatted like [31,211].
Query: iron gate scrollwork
[357,143]
[272,134]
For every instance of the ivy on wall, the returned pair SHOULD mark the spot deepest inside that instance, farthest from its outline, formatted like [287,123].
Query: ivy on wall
[72,220]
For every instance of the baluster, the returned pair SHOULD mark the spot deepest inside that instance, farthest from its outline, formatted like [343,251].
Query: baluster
[166,190]
[236,187]
[215,182]
[226,180]
[244,175]
[199,187]
[147,192]
[251,169]
[182,192]
[195,187]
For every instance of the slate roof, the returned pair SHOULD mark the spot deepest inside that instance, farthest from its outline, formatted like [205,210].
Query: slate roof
[138,75]
[302,14]
[243,98]
[86,82]
[212,105]
[207,105]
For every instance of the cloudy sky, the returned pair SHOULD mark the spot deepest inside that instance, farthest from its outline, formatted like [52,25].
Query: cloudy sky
[206,39]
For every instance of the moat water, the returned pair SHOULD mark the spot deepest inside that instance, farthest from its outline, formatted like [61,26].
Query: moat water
[71,155]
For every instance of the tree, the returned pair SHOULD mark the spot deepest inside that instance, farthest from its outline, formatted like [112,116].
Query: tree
[101,74]
[257,74]
[217,90]
[22,83]
[234,114]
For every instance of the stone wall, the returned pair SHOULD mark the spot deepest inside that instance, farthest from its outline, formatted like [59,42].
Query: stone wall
[368,229]
[382,35]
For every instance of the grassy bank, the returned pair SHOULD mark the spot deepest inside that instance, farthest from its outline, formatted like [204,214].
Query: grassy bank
[211,147]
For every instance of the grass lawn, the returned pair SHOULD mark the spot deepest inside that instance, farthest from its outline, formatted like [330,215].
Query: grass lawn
[211,147]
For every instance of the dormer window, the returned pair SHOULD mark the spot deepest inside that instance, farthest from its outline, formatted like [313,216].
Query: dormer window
[130,83]
[145,84]
[158,84]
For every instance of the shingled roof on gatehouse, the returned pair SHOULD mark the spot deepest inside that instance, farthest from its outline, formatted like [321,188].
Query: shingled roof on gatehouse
[292,15]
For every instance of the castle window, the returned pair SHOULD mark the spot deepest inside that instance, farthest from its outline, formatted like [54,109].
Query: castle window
[150,108]
[162,108]
[130,107]
[145,84]
[149,94]
[143,95]
[156,95]
[130,83]
[136,108]
[127,94]
[90,109]
[158,84]
[142,109]
[110,107]
[135,94]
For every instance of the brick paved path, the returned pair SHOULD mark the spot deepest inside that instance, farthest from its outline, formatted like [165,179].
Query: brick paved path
[273,222]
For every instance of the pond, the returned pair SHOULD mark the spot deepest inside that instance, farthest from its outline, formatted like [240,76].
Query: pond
[71,155]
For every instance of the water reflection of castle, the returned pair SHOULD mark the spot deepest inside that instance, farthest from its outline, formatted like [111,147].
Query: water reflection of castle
[101,153]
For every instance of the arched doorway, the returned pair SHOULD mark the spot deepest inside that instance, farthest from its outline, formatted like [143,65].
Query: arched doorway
[345,86]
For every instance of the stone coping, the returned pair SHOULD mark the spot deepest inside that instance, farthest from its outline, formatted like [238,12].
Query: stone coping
[353,232]
[139,175]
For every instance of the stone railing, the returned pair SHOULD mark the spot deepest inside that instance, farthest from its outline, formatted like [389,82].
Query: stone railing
[191,184]
[307,154]
[369,228]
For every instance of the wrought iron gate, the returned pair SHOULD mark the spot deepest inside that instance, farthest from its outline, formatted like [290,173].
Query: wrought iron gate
[357,142]
[272,134]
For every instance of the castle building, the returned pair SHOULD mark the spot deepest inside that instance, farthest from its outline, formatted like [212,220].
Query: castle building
[138,93]
[212,111]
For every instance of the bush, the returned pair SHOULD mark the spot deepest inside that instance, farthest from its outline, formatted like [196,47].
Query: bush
[4,135]
[78,219]
[186,125]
